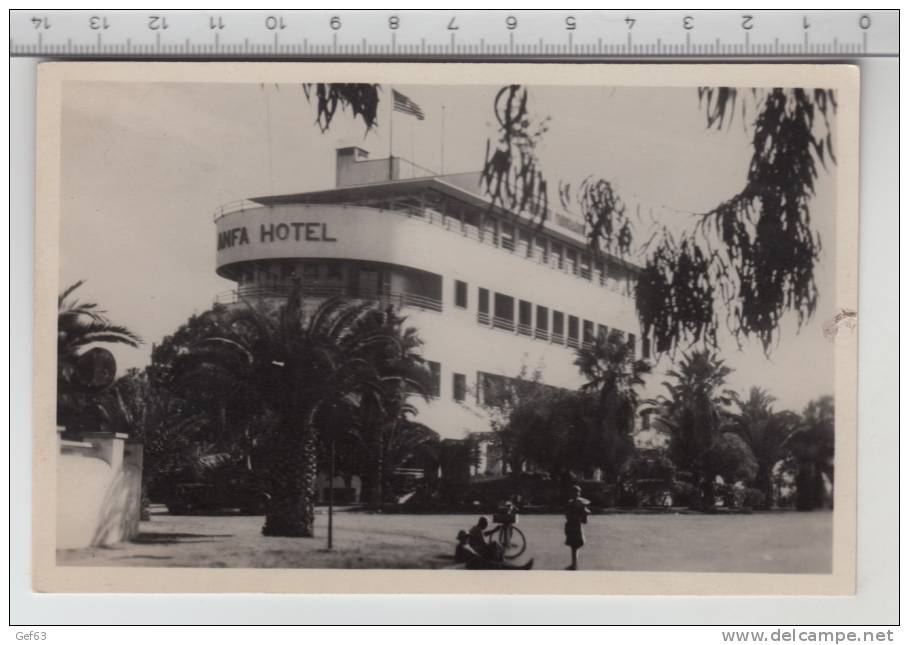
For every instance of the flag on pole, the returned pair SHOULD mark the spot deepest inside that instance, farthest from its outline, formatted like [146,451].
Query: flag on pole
[405,105]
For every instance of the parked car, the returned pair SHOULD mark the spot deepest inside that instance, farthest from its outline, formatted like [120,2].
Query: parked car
[242,494]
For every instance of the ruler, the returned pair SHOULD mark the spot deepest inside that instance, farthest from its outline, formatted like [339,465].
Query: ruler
[454,34]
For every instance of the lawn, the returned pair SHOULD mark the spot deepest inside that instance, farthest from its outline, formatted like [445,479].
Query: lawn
[784,542]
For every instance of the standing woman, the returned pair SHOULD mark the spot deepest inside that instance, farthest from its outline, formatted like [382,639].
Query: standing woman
[576,513]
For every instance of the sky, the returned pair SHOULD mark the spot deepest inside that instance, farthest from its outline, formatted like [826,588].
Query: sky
[145,165]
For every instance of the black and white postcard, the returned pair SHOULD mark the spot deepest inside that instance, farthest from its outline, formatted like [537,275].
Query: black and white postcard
[460,328]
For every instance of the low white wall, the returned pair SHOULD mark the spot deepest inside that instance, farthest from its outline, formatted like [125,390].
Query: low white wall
[99,490]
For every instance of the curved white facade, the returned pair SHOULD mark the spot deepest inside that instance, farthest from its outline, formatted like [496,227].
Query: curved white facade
[430,260]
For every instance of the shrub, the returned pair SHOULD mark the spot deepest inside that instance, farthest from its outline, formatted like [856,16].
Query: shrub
[683,493]
[754,498]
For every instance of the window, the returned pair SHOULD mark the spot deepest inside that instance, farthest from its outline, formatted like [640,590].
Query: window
[525,318]
[542,331]
[435,378]
[558,327]
[541,249]
[483,306]
[645,347]
[491,231]
[558,259]
[601,271]
[460,294]
[503,315]
[602,331]
[573,329]
[524,246]
[588,333]
[458,387]
[492,389]
[572,257]
[333,271]
[508,237]
[310,271]
[631,344]
[585,266]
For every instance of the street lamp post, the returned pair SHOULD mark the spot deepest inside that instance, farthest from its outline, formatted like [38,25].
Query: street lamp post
[331,493]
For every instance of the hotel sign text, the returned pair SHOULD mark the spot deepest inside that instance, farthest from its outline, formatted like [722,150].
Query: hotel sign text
[284,231]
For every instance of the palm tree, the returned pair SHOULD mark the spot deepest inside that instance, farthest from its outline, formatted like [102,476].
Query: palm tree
[388,440]
[812,447]
[766,432]
[694,413]
[159,420]
[614,377]
[383,420]
[81,325]
[299,364]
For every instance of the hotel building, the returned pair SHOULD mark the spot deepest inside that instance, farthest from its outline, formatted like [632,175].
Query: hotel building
[489,291]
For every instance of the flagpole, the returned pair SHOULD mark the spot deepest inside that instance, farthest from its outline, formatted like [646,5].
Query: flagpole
[391,128]
[442,144]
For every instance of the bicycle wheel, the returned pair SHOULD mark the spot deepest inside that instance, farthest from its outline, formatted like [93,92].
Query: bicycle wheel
[512,540]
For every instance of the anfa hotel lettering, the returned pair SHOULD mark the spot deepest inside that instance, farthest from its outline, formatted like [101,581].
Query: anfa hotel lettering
[294,231]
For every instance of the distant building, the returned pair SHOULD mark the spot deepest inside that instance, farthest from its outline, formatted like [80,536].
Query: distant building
[490,291]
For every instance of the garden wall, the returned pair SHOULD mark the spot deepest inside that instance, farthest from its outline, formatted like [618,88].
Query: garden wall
[99,490]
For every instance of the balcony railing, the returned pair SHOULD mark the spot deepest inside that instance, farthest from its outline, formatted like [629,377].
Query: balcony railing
[525,329]
[385,297]
[503,323]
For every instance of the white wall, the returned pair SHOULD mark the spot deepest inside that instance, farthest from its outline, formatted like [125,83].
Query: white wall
[99,484]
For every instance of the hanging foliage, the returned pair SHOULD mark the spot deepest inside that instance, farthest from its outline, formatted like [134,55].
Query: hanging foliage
[675,295]
[511,174]
[361,98]
[766,249]
[608,227]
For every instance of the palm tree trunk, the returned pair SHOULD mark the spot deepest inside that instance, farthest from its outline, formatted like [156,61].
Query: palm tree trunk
[378,473]
[294,469]
[805,487]
[764,482]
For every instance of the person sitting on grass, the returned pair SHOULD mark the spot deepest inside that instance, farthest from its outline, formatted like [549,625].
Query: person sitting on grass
[478,541]
[466,555]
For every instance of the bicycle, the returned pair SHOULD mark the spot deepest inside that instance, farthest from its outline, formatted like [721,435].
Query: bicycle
[511,539]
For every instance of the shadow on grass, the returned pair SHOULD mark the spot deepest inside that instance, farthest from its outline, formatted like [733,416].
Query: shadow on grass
[147,537]
[146,557]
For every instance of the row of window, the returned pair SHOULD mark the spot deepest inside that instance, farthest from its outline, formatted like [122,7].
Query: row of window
[535,321]
[491,388]
[458,383]
[526,241]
